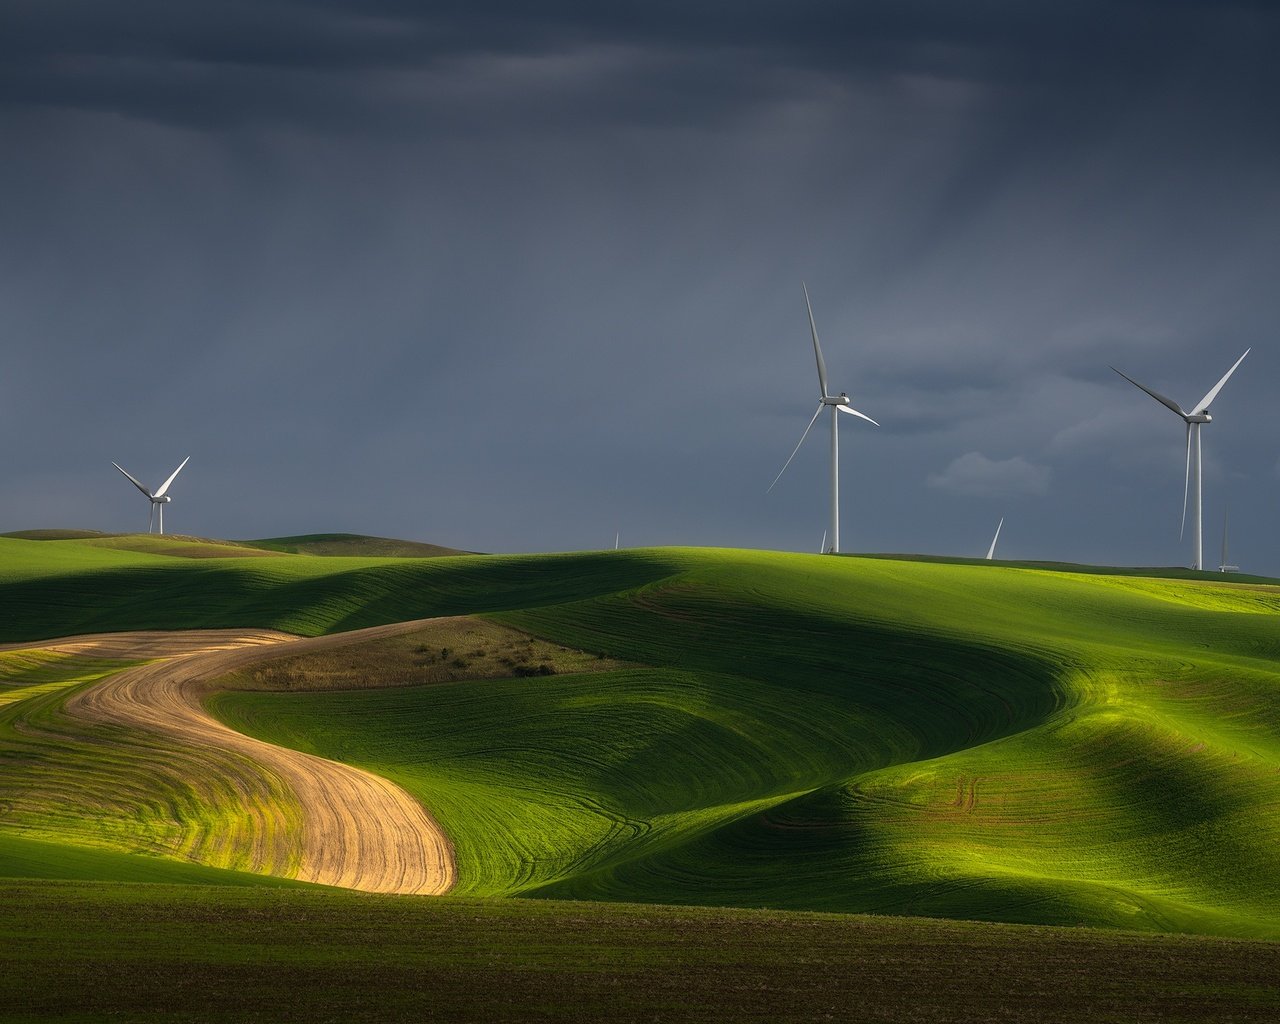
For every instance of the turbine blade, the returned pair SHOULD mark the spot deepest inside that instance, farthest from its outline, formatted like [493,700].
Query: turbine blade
[817,349]
[133,480]
[797,447]
[991,551]
[1186,486]
[823,550]
[1205,402]
[165,486]
[1169,402]
[854,412]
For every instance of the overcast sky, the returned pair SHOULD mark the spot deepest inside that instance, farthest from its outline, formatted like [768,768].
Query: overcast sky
[513,277]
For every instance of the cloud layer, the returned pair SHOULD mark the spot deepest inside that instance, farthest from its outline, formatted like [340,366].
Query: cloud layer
[976,476]
[512,277]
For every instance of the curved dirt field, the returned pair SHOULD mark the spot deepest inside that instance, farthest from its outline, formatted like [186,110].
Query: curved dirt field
[358,831]
[154,643]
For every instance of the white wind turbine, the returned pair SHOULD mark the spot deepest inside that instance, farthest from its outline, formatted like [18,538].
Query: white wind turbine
[1194,420]
[991,551]
[837,403]
[1225,567]
[159,498]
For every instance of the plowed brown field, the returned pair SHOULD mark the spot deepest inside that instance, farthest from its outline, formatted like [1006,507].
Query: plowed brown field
[359,831]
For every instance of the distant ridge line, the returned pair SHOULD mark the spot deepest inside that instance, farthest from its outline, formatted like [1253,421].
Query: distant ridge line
[1161,571]
[322,544]
[348,544]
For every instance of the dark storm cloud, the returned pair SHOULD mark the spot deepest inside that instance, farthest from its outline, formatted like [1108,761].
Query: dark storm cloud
[515,276]
[359,64]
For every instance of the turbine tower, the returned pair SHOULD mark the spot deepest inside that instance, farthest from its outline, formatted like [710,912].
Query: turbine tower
[159,498]
[837,403]
[991,551]
[1195,419]
[1225,567]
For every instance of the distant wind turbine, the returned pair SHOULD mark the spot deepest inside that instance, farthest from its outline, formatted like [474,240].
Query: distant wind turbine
[1194,420]
[837,403]
[1224,567]
[159,498]
[991,551]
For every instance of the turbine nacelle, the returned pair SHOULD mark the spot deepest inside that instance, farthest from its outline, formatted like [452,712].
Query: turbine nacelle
[1203,417]
[840,403]
[161,499]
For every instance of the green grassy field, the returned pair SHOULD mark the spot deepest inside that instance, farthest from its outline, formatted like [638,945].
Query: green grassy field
[79,952]
[857,735]
[63,587]
[978,742]
[854,735]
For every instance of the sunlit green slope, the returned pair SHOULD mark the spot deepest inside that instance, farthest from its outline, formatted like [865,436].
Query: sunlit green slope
[799,731]
[1085,748]
[65,587]
[972,741]
[87,803]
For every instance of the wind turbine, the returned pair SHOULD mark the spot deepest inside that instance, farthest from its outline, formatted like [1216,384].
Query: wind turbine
[991,551]
[837,403]
[1194,420]
[1224,567]
[159,498]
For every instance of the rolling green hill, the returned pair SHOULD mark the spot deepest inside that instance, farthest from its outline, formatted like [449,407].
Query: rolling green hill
[786,731]
[352,545]
[172,544]
[59,588]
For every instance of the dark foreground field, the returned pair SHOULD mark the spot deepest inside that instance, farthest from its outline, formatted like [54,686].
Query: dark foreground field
[123,952]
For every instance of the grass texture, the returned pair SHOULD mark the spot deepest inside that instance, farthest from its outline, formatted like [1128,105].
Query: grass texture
[767,730]
[92,801]
[77,952]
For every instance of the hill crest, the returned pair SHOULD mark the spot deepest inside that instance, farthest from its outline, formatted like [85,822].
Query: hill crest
[352,544]
[184,546]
